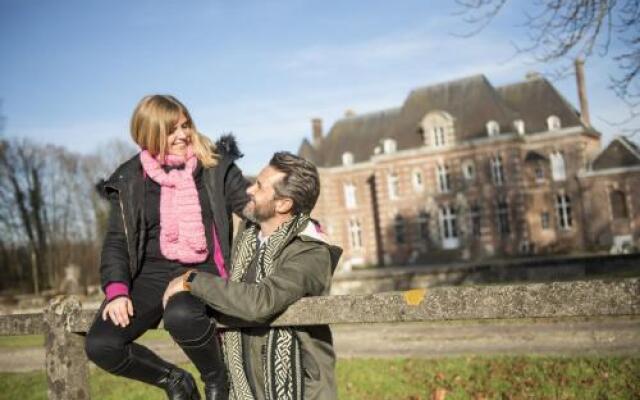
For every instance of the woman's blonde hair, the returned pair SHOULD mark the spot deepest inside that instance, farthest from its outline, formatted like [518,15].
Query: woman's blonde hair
[154,119]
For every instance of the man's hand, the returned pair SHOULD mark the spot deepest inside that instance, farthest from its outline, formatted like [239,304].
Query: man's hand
[175,286]
[118,310]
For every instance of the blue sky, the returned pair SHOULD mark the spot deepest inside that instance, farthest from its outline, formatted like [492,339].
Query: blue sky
[72,71]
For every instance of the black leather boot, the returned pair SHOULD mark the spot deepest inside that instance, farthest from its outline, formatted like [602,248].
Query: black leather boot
[179,385]
[215,385]
[145,366]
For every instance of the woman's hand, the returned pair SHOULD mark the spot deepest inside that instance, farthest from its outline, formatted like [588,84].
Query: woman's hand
[118,310]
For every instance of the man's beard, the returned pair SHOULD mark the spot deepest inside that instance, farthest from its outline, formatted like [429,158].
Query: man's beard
[259,213]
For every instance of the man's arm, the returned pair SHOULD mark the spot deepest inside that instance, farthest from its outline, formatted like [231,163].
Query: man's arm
[305,273]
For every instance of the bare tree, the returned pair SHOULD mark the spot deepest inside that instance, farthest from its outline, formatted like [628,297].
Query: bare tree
[569,29]
[22,210]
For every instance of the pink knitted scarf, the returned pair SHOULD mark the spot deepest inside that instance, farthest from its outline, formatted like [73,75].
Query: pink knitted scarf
[182,235]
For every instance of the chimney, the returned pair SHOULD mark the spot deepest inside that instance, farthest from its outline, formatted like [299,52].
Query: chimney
[532,75]
[582,92]
[316,128]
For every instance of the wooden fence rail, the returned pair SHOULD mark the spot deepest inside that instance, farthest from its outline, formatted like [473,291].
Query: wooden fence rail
[64,322]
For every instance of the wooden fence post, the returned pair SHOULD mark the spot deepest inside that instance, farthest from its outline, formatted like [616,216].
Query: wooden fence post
[66,364]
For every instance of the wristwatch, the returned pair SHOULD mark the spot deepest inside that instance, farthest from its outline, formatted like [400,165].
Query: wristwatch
[189,277]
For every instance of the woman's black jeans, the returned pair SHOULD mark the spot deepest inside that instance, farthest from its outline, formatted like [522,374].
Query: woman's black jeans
[187,319]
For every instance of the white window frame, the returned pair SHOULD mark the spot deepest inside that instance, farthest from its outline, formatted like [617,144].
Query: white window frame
[558,167]
[563,211]
[393,185]
[497,171]
[350,196]
[417,179]
[355,234]
[389,146]
[448,227]
[493,128]
[347,158]
[553,123]
[443,179]
[438,134]
[470,176]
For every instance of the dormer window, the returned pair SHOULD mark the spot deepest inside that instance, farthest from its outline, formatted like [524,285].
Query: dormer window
[493,128]
[347,158]
[553,123]
[438,136]
[389,146]
[519,126]
[436,129]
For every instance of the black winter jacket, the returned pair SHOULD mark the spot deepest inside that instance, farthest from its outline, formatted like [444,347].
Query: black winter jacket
[124,242]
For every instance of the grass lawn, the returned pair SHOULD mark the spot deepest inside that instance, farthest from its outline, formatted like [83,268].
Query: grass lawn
[19,342]
[457,378]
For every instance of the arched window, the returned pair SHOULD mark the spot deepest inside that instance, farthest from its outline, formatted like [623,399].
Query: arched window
[558,170]
[347,158]
[493,128]
[519,126]
[553,123]
[437,129]
[618,204]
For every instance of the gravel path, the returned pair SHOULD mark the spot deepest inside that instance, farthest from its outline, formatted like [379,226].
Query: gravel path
[620,336]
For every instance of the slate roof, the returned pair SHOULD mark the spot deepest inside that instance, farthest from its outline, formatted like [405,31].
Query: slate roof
[471,101]
[620,153]
[536,99]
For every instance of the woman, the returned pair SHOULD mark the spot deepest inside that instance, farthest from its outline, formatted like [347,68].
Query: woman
[171,208]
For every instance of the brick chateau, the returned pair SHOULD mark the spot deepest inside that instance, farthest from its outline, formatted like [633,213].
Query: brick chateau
[465,170]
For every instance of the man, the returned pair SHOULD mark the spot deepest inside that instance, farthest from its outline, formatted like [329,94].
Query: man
[278,258]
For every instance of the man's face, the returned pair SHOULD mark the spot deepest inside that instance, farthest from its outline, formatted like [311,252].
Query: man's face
[262,203]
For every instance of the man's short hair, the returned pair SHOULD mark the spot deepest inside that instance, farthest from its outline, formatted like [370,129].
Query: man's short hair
[301,182]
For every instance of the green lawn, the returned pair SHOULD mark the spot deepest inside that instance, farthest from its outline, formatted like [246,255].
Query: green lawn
[376,379]
[18,342]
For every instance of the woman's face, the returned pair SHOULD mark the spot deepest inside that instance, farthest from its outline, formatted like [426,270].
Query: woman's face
[180,137]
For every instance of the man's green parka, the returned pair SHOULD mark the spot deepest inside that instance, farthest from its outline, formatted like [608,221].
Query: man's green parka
[303,268]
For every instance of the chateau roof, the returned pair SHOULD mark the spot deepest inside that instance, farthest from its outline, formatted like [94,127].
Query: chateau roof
[471,102]
[620,153]
[536,99]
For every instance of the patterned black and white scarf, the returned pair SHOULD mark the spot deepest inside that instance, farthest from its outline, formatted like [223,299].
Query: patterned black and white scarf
[283,377]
